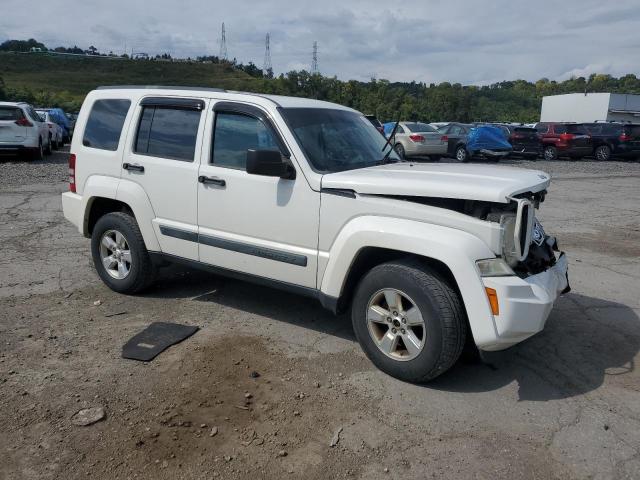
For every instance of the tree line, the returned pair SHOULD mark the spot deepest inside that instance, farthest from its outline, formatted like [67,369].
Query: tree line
[517,100]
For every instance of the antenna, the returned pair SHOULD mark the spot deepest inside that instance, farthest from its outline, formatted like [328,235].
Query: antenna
[314,59]
[267,70]
[223,45]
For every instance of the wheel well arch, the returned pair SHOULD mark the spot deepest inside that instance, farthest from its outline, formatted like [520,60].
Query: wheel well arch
[100,206]
[370,257]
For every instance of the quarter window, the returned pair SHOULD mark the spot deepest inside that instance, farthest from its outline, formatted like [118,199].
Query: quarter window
[235,134]
[168,133]
[104,125]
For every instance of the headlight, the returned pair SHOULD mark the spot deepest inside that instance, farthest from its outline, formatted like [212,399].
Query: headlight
[516,232]
[508,224]
[494,267]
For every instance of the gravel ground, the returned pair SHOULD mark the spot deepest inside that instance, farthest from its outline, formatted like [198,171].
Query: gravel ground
[563,405]
[53,169]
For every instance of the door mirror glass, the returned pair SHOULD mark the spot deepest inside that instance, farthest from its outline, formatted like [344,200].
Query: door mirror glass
[269,163]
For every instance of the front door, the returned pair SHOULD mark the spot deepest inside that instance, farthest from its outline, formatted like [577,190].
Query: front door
[163,158]
[260,225]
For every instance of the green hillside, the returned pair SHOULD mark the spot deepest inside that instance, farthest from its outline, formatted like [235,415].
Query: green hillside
[47,79]
[60,80]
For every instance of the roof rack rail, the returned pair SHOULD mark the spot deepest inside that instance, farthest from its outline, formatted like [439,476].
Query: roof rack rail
[158,87]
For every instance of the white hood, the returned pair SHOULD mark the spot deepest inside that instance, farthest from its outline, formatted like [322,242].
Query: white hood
[449,180]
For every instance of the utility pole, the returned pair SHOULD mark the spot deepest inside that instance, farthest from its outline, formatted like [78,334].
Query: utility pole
[314,59]
[223,45]
[267,70]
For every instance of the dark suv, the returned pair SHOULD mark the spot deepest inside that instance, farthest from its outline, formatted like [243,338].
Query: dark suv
[524,140]
[564,140]
[614,140]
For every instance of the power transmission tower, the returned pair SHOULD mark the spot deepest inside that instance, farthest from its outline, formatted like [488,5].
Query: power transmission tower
[314,60]
[223,45]
[267,70]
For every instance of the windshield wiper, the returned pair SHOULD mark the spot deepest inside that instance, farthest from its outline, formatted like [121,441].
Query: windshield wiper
[386,158]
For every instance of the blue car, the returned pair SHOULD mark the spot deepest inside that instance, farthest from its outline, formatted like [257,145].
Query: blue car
[58,116]
[484,141]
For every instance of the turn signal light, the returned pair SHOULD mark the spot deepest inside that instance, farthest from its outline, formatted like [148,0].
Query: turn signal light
[492,295]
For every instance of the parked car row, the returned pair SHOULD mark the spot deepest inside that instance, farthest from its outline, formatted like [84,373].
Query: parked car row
[32,133]
[551,140]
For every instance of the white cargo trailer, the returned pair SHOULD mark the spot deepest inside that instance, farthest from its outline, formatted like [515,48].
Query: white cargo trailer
[591,107]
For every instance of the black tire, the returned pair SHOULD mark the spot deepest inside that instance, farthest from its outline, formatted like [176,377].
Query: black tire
[442,311]
[602,153]
[142,270]
[400,151]
[550,153]
[461,154]
[38,152]
[48,150]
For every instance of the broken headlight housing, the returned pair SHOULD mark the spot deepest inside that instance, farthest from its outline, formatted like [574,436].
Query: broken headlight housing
[516,232]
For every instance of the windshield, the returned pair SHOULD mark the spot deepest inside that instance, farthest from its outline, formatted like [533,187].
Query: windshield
[336,140]
[419,127]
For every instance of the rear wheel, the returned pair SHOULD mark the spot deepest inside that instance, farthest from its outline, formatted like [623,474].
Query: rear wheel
[38,152]
[120,255]
[409,321]
[49,148]
[399,150]
[550,152]
[603,153]
[461,154]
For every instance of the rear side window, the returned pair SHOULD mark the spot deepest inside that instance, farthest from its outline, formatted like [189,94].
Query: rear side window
[577,129]
[420,127]
[10,114]
[542,128]
[104,125]
[558,129]
[168,133]
[237,133]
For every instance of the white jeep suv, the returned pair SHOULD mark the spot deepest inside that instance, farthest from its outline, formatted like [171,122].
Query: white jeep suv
[305,195]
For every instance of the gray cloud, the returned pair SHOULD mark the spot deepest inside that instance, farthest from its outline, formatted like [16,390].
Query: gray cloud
[430,40]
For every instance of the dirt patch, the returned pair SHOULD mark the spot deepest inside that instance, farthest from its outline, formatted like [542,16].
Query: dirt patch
[621,241]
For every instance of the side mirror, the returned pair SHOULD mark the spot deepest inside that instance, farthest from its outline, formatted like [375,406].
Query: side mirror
[269,163]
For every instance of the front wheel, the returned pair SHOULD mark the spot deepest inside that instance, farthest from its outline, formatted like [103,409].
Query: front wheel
[550,153]
[408,320]
[120,255]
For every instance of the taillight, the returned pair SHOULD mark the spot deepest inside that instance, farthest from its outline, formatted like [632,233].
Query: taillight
[24,122]
[517,136]
[624,137]
[72,173]
[416,138]
[565,137]
[444,138]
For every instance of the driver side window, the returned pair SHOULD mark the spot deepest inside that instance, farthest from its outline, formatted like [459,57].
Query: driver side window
[234,134]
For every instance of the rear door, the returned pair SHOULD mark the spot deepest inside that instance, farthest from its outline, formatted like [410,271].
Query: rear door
[11,133]
[164,142]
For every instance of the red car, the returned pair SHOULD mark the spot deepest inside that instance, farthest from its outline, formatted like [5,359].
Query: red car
[564,140]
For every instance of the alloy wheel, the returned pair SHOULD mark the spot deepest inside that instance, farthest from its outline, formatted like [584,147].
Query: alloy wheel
[395,324]
[115,254]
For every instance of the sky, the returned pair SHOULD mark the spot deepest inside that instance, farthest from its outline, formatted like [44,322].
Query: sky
[463,41]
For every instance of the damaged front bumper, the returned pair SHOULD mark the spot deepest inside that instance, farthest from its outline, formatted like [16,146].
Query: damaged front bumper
[525,303]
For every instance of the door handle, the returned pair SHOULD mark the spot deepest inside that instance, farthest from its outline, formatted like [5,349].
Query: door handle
[133,167]
[212,180]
